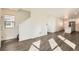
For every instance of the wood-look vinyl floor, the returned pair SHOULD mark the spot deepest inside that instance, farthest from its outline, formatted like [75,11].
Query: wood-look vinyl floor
[44,43]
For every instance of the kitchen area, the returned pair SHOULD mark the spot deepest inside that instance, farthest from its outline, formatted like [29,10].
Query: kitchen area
[71,22]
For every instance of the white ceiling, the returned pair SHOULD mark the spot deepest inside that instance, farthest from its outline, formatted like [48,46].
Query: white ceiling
[56,12]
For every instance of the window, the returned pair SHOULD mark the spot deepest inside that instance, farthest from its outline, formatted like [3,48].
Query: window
[9,21]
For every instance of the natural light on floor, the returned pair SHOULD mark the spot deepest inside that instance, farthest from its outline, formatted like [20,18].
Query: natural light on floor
[36,45]
[53,45]
[71,44]
[33,48]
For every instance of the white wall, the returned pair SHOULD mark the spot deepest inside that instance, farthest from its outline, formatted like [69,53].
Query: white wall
[38,21]
[38,25]
[33,27]
[29,30]
[59,25]
[77,24]
[20,16]
[10,33]
[39,16]
[55,25]
[51,25]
